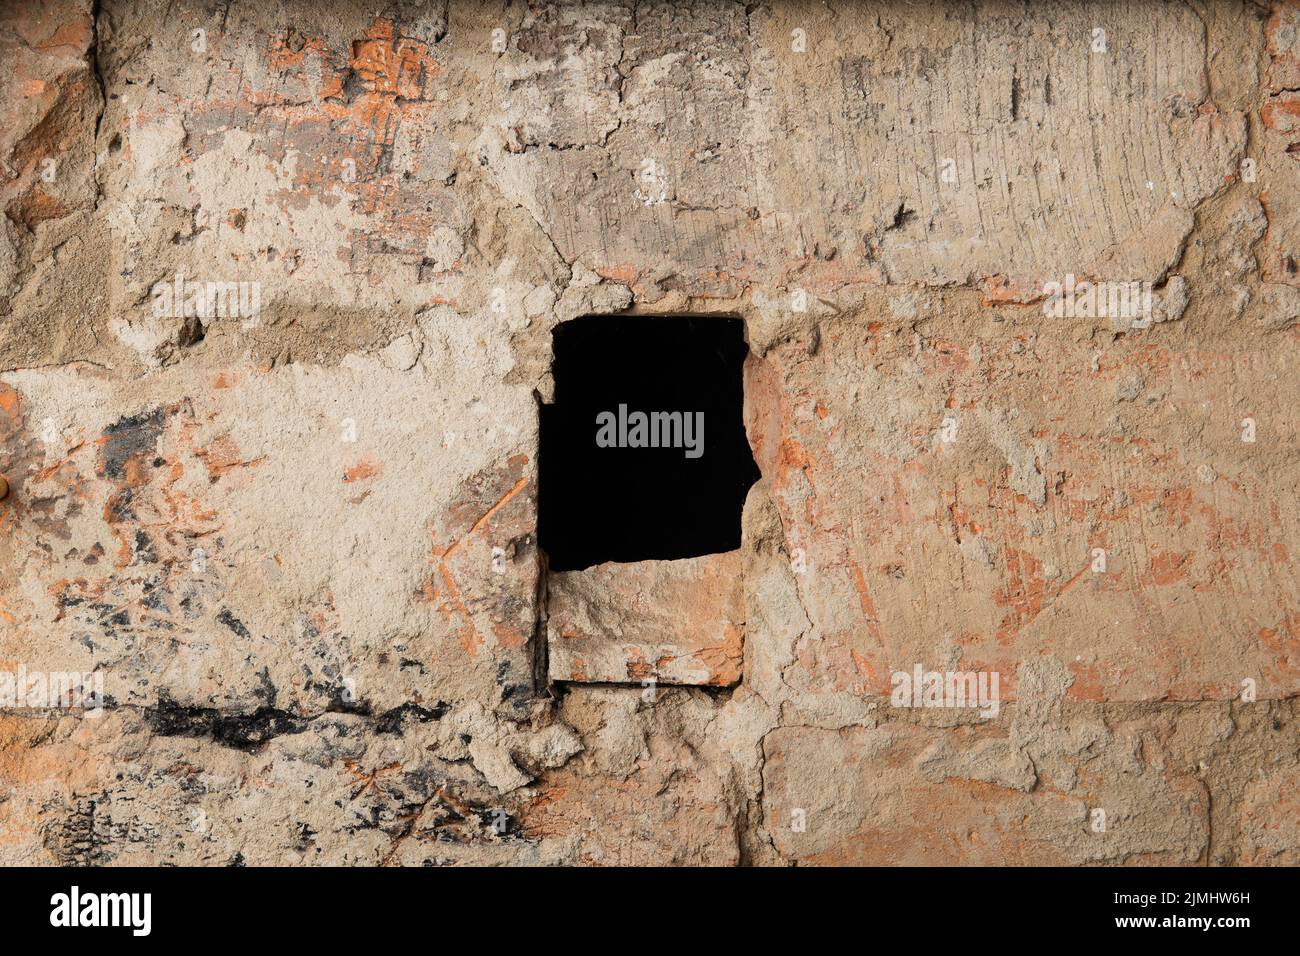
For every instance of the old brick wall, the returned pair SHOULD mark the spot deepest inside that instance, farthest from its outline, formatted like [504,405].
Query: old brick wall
[298,546]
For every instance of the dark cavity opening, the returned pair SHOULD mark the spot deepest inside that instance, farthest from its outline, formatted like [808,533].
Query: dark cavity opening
[605,492]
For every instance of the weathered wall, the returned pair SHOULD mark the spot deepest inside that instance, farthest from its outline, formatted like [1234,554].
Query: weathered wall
[275,538]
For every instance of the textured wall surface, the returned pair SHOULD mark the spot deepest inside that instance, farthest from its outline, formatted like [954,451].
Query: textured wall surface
[297,546]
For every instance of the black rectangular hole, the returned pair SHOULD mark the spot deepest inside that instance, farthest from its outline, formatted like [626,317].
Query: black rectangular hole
[605,491]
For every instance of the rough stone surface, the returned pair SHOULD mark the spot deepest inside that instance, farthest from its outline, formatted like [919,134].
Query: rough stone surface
[666,622]
[297,545]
